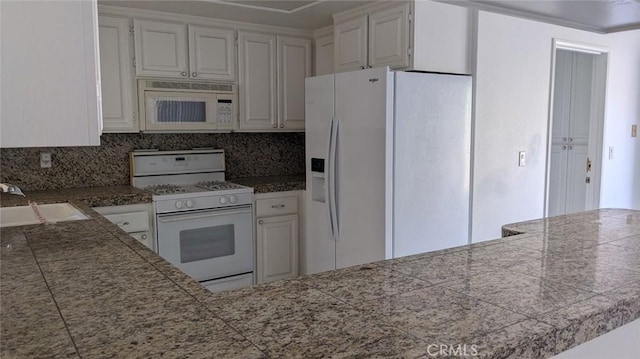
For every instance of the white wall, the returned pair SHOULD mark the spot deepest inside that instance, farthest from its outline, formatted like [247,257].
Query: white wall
[621,175]
[513,79]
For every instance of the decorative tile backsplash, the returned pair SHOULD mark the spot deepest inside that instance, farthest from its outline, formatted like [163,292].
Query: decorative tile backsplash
[247,155]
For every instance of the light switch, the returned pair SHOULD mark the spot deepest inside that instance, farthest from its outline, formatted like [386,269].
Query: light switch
[521,159]
[634,130]
[45,160]
[610,153]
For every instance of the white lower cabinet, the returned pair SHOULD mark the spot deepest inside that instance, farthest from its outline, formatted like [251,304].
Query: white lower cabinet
[277,232]
[135,219]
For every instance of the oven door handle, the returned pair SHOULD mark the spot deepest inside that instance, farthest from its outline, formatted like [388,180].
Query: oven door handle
[188,216]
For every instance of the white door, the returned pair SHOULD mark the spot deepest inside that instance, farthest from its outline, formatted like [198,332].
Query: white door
[569,180]
[294,66]
[363,101]
[161,49]
[324,55]
[277,248]
[257,57]
[350,44]
[211,53]
[389,37]
[116,66]
[319,249]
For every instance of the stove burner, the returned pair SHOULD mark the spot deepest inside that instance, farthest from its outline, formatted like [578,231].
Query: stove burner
[217,185]
[165,189]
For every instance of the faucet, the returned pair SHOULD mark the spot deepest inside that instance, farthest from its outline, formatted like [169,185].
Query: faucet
[11,189]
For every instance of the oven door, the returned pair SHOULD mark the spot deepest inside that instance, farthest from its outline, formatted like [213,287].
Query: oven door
[208,244]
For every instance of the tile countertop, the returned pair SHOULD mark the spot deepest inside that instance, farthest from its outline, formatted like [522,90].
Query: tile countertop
[272,183]
[86,289]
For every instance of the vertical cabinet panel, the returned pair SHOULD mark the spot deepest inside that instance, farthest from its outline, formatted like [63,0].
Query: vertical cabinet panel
[557,180]
[576,175]
[50,75]
[389,37]
[324,55]
[294,65]
[257,53]
[211,53]
[277,248]
[116,66]
[581,98]
[161,49]
[350,44]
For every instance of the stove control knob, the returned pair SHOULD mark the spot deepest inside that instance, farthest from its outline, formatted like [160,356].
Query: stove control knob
[232,199]
[223,200]
[189,203]
[179,204]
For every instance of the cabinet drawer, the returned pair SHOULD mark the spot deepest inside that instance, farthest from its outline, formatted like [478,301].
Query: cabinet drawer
[144,238]
[130,222]
[276,206]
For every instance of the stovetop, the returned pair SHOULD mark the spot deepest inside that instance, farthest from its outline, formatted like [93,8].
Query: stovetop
[204,188]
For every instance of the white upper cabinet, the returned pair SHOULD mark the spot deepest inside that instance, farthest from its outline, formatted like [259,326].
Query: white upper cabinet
[165,49]
[161,49]
[211,53]
[294,65]
[116,67]
[324,55]
[272,72]
[350,44]
[50,74]
[389,37]
[257,55]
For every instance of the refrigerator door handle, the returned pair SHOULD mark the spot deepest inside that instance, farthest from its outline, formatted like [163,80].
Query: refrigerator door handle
[332,180]
[328,171]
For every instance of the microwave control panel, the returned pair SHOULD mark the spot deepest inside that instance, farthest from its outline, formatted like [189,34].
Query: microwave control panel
[224,112]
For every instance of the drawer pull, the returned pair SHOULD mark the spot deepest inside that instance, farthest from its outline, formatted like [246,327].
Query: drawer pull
[278,206]
[121,224]
[260,222]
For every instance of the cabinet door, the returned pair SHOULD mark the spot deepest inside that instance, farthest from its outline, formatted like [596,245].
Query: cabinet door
[211,53]
[558,179]
[576,179]
[294,65]
[277,248]
[389,37]
[49,74]
[350,44]
[324,55]
[257,55]
[161,49]
[116,66]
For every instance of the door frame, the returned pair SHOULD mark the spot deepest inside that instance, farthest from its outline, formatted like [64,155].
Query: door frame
[597,118]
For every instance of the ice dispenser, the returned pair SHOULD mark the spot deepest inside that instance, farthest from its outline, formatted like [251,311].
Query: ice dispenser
[318,180]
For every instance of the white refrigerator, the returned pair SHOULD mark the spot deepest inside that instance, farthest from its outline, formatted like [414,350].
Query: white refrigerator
[388,166]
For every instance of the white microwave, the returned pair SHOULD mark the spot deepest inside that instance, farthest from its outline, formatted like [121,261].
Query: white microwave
[167,106]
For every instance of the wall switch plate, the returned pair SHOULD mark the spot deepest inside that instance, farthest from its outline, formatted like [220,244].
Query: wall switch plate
[634,130]
[45,159]
[610,153]
[521,159]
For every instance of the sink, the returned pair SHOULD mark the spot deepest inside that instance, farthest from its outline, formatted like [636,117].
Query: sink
[23,215]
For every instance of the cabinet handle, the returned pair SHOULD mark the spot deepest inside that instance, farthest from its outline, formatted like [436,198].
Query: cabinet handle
[144,236]
[564,139]
[183,73]
[368,66]
[564,147]
[570,147]
[281,205]
[123,224]
[570,139]
[275,126]
[362,67]
[260,222]
[195,74]
[282,126]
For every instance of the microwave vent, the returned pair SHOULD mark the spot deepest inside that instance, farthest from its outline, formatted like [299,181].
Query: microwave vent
[190,86]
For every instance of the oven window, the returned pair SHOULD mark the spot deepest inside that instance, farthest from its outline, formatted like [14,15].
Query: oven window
[206,243]
[180,111]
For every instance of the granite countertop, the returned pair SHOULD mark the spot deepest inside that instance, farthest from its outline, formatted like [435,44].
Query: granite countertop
[86,289]
[92,196]
[272,183]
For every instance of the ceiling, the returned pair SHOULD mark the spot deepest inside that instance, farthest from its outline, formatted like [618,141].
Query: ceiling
[591,15]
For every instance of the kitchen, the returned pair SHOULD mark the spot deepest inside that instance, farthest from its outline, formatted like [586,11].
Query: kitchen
[496,200]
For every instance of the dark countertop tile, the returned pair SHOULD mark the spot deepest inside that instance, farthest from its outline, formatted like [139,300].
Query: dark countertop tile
[272,183]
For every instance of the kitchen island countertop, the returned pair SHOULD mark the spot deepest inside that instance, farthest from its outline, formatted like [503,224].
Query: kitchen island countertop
[272,183]
[86,289]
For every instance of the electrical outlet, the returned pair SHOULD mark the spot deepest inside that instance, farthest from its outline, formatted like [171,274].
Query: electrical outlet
[521,159]
[634,130]
[45,160]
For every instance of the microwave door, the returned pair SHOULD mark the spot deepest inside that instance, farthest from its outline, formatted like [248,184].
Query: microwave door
[178,111]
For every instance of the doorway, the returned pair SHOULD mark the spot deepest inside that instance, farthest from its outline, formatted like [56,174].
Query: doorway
[575,128]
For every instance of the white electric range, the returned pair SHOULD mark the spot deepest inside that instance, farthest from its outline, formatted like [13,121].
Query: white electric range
[204,225]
